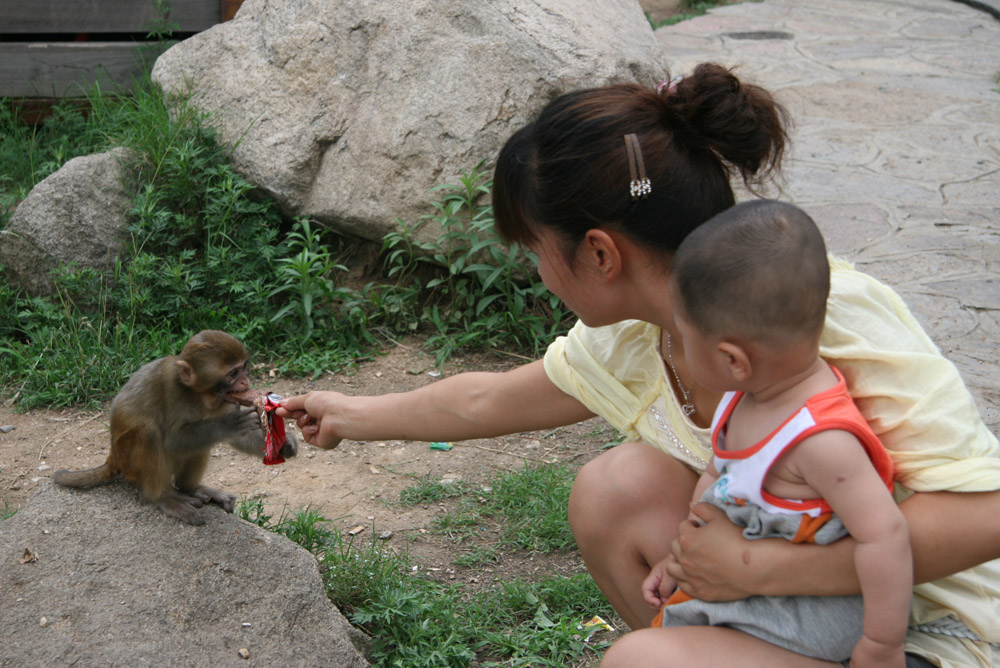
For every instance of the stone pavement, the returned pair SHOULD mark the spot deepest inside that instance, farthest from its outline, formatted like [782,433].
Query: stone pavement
[895,146]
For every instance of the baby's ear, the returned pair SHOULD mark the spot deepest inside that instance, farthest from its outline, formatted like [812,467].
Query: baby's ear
[736,360]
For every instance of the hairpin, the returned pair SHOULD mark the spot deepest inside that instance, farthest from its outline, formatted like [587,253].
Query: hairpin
[669,83]
[639,186]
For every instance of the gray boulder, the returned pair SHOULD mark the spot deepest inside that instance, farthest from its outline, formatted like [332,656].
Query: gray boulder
[349,112]
[98,578]
[74,216]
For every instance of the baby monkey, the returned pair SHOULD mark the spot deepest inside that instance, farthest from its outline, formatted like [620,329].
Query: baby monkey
[166,419]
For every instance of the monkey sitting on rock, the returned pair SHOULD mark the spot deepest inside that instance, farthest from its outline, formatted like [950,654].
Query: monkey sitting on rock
[166,419]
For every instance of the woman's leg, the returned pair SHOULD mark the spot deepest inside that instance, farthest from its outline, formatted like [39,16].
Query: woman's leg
[702,647]
[624,511]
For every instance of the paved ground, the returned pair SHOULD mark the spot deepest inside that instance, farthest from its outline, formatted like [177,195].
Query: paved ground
[896,146]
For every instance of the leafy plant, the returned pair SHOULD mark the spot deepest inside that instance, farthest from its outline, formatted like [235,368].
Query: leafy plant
[304,279]
[479,294]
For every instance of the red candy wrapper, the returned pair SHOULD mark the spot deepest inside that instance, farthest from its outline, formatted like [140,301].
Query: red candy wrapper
[274,438]
[271,426]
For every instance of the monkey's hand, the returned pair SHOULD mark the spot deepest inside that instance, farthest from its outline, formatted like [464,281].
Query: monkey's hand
[291,446]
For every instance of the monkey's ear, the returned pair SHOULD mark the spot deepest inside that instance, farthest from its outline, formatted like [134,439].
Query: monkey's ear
[186,372]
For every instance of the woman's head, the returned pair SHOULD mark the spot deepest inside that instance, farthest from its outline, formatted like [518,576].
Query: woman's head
[568,170]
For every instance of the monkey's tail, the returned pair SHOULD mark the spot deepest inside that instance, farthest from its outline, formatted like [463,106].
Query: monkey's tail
[104,473]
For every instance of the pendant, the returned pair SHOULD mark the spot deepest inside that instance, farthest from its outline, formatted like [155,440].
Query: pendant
[687,409]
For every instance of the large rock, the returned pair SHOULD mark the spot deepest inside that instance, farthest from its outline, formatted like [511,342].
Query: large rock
[115,582]
[76,215]
[349,112]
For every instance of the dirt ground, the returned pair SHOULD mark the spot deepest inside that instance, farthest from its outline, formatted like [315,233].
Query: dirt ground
[356,485]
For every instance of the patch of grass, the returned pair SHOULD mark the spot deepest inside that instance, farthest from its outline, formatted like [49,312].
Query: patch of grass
[6,512]
[430,490]
[418,622]
[529,505]
[689,9]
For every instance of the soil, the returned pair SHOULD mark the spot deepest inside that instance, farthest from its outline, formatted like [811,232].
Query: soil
[356,486]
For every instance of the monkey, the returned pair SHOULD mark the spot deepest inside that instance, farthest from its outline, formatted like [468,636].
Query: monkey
[167,417]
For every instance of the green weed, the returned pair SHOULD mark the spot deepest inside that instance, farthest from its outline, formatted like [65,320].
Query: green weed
[477,293]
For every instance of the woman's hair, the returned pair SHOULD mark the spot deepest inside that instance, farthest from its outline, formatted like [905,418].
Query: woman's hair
[569,169]
[758,271]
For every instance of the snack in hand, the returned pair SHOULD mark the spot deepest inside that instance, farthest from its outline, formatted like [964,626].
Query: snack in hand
[272,426]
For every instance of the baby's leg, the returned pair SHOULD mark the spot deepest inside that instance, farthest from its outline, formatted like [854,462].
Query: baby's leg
[701,647]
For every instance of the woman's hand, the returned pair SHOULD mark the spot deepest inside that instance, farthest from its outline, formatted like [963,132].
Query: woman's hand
[710,562]
[314,414]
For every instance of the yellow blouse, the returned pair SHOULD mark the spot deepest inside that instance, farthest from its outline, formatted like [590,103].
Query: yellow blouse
[911,395]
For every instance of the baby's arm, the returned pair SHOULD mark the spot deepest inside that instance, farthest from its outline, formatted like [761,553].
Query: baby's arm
[835,465]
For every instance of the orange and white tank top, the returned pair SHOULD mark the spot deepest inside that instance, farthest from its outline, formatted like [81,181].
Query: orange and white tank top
[742,472]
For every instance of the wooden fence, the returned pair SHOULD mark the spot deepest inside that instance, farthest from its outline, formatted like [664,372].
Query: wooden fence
[61,48]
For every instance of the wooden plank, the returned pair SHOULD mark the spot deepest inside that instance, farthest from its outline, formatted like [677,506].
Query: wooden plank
[70,69]
[102,16]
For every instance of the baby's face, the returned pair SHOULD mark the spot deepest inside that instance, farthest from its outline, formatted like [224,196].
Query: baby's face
[705,362]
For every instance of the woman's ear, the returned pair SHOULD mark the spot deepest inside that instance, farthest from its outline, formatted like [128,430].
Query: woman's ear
[736,360]
[600,251]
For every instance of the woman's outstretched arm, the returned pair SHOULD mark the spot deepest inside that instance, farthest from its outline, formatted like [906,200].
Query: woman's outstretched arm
[464,406]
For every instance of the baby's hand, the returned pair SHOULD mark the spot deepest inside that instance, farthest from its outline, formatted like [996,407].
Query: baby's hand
[658,586]
[869,653]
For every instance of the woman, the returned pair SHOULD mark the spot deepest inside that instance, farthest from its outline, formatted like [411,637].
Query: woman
[603,186]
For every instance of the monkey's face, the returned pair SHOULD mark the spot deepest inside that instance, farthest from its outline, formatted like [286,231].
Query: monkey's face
[235,378]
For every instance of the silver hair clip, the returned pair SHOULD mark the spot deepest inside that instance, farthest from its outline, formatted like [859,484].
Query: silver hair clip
[639,186]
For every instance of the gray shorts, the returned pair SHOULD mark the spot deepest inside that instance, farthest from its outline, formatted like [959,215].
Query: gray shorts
[822,627]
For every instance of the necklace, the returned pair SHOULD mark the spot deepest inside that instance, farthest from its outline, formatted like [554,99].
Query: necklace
[688,406]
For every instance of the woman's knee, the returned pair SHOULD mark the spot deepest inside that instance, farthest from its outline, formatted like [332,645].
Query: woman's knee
[628,479]
[626,485]
[644,647]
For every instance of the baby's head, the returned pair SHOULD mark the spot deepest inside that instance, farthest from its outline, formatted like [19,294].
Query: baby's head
[755,273]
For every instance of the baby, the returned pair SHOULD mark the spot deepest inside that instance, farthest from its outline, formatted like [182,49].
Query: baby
[793,456]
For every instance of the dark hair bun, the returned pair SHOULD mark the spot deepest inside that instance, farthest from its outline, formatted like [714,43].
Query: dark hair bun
[711,109]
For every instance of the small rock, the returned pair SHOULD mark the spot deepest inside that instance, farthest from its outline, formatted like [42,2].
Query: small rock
[44,467]
[385,535]
[7,428]
[244,653]
[44,621]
